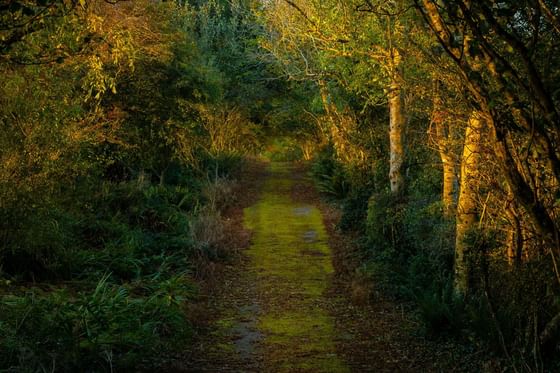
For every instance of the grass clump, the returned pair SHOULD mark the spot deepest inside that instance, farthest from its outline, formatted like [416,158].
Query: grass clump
[110,326]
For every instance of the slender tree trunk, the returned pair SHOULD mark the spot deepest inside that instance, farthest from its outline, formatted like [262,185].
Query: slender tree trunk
[442,138]
[467,209]
[448,192]
[514,240]
[396,127]
[330,110]
[327,105]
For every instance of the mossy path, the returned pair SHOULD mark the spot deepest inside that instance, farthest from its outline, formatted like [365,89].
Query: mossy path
[283,310]
[292,261]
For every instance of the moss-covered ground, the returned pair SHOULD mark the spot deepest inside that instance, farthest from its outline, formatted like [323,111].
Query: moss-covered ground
[291,257]
[280,307]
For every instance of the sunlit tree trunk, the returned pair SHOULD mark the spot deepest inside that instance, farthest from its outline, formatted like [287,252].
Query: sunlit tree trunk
[330,110]
[396,127]
[448,192]
[338,125]
[467,210]
[442,138]
[327,104]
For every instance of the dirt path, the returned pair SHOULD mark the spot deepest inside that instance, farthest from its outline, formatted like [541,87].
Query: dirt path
[282,310]
[293,268]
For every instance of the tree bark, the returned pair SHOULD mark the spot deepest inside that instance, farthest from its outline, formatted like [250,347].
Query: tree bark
[448,183]
[467,209]
[442,138]
[396,126]
[514,240]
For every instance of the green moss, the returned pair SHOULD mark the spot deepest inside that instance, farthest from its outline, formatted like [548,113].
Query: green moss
[226,347]
[225,323]
[292,260]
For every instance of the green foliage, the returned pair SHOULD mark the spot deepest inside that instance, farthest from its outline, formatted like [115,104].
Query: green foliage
[283,149]
[330,176]
[105,328]
[222,165]
[440,310]
[137,233]
[410,251]
[354,210]
[112,119]
[412,243]
[123,123]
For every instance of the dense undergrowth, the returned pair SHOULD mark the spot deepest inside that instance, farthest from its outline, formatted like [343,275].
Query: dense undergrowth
[406,250]
[123,127]
[107,288]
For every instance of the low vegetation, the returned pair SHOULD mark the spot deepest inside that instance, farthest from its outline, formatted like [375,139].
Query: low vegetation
[115,168]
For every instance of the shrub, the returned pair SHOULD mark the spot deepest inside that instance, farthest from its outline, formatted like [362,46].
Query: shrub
[284,149]
[221,165]
[207,230]
[100,329]
[439,309]
[218,193]
[136,236]
[35,241]
[330,176]
[354,210]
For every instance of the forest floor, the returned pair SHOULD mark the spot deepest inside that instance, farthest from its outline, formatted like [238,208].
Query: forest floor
[288,302]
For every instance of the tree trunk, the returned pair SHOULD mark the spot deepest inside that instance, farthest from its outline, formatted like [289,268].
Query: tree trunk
[396,126]
[448,183]
[442,139]
[467,209]
[330,110]
[327,104]
[515,234]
